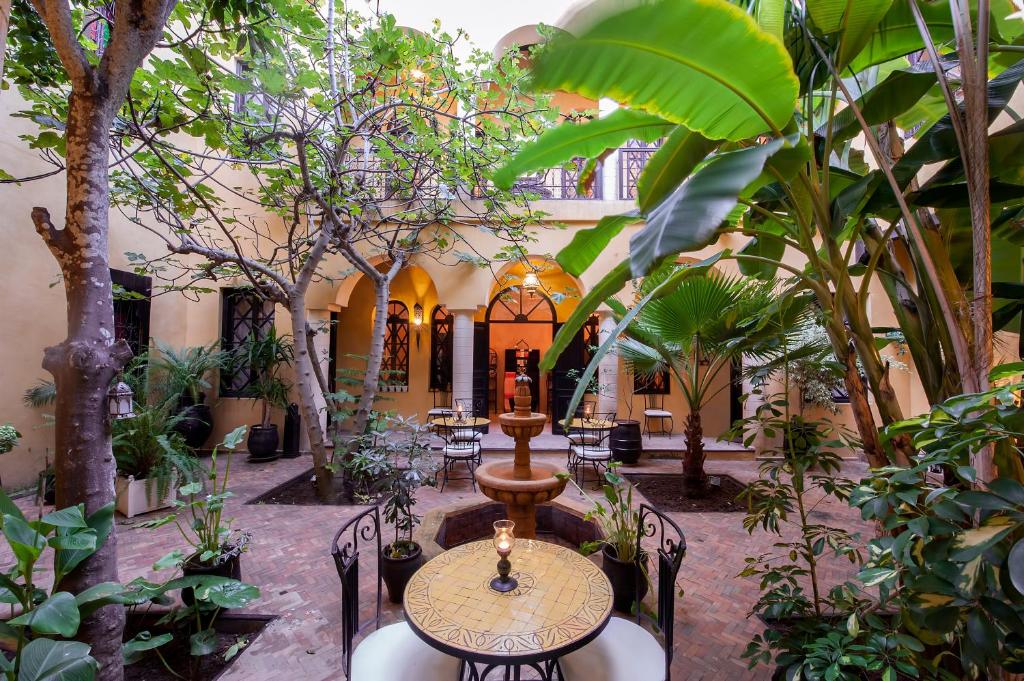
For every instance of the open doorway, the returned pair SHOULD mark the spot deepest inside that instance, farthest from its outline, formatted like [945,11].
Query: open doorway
[520,325]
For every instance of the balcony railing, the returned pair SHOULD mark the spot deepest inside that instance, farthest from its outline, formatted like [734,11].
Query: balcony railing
[561,183]
[632,159]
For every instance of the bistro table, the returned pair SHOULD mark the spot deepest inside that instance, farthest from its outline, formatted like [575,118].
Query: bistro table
[562,602]
[588,424]
[450,422]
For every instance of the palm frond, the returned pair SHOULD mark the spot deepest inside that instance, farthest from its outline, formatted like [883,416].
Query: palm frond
[42,394]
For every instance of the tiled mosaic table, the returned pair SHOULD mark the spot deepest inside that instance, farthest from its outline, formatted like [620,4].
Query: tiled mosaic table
[589,424]
[563,601]
[467,422]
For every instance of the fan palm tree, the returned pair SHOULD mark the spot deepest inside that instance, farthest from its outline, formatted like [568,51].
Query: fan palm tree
[696,332]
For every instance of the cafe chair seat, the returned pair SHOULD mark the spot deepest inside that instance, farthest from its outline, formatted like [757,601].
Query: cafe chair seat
[658,413]
[594,453]
[396,653]
[467,435]
[583,438]
[436,412]
[461,450]
[624,651]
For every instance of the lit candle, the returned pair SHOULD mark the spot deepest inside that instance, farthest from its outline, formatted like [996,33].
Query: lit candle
[504,538]
[588,411]
[458,412]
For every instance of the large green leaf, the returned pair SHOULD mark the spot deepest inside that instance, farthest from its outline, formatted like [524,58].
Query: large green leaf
[66,560]
[763,246]
[884,102]
[26,543]
[681,152]
[704,64]
[690,217]
[47,660]
[572,140]
[854,20]
[587,244]
[610,284]
[58,614]
[897,34]
[771,17]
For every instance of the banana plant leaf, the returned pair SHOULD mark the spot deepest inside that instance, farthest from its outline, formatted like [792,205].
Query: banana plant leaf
[854,21]
[587,244]
[689,219]
[588,140]
[897,34]
[679,154]
[893,96]
[704,64]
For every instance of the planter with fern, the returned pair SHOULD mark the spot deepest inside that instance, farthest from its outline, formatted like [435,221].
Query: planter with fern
[185,374]
[265,357]
[152,459]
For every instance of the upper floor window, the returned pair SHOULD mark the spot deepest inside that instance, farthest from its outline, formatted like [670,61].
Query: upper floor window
[244,313]
[395,365]
[97,27]
[658,383]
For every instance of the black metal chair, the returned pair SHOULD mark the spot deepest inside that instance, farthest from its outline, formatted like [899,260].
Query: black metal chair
[654,410]
[592,448]
[577,435]
[390,653]
[461,446]
[626,650]
[442,404]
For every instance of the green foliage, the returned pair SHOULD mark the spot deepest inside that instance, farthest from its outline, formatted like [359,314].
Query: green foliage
[42,394]
[9,437]
[185,372]
[207,531]
[618,519]
[950,561]
[265,356]
[147,447]
[36,636]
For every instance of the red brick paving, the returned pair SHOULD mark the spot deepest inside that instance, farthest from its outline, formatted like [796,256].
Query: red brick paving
[289,560]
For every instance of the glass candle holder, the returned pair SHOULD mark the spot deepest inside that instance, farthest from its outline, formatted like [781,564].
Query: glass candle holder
[459,418]
[504,539]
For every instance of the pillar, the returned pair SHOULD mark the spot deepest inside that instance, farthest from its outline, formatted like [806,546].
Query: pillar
[462,354]
[608,369]
[610,166]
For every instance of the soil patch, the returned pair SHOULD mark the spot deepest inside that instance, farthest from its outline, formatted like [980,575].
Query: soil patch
[301,491]
[665,492]
[231,629]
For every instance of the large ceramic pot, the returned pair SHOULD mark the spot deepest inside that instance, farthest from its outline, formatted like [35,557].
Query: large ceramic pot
[196,423]
[262,443]
[626,442]
[396,572]
[231,568]
[625,577]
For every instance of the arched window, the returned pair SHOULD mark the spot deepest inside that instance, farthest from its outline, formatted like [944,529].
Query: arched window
[441,349]
[395,366]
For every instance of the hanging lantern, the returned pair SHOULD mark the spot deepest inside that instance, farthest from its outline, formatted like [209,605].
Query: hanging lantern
[119,401]
[531,282]
[417,322]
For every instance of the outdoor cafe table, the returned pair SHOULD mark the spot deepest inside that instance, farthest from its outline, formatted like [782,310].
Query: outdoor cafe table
[588,424]
[450,422]
[563,601]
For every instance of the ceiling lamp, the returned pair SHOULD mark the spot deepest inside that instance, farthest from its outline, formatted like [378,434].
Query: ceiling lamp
[531,282]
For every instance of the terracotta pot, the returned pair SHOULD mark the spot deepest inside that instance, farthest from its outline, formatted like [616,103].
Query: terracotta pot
[262,443]
[396,572]
[625,577]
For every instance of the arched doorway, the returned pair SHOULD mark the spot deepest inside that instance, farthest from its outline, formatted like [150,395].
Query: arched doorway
[521,325]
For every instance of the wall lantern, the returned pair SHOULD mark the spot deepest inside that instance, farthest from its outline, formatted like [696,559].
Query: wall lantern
[119,401]
[417,322]
[531,282]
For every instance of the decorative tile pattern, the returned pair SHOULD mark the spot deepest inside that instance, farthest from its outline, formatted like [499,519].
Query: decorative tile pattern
[562,597]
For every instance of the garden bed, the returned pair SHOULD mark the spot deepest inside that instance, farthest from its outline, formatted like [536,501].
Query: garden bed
[231,628]
[301,491]
[665,492]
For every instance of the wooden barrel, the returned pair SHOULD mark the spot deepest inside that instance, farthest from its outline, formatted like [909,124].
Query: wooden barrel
[626,442]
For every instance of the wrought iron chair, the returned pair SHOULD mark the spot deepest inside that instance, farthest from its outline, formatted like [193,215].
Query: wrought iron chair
[593,449]
[626,650]
[655,411]
[578,435]
[442,404]
[460,446]
[468,434]
[390,653]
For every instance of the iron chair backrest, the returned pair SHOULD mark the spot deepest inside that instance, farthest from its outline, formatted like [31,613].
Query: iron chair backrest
[457,435]
[669,547]
[655,401]
[467,406]
[361,532]
[599,439]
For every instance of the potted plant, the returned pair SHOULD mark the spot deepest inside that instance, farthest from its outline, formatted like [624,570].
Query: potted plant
[620,525]
[215,548]
[395,487]
[265,356]
[185,374]
[152,458]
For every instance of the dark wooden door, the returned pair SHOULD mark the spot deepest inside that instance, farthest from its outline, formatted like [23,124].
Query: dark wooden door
[481,361]
[564,378]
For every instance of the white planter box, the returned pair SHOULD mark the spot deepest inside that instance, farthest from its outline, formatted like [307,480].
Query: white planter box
[133,496]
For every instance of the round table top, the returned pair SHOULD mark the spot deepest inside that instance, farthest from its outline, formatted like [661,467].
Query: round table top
[562,602]
[467,422]
[589,424]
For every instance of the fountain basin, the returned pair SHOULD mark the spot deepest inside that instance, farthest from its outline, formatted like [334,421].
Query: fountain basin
[498,481]
[519,427]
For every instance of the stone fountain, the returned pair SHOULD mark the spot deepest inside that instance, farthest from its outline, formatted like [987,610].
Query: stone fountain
[520,484]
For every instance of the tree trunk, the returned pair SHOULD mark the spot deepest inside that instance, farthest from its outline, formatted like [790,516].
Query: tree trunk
[307,385]
[375,356]
[5,23]
[86,362]
[862,415]
[694,479]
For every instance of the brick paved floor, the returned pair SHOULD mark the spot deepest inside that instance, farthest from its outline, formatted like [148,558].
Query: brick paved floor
[289,560]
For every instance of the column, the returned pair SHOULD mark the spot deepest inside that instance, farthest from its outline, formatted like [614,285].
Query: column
[462,354]
[610,166]
[608,369]
[319,321]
